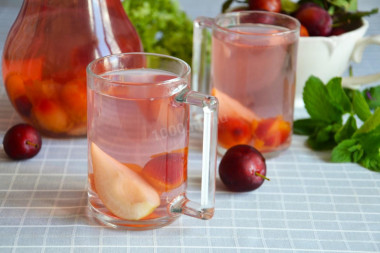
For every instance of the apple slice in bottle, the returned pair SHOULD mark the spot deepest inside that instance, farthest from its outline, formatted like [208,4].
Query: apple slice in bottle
[229,107]
[234,131]
[273,131]
[122,190]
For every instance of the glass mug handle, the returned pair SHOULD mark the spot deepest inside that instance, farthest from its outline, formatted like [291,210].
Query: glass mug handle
[204,209]
[200,67]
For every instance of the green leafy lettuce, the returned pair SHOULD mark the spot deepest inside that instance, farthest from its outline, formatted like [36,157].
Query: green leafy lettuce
[162,26]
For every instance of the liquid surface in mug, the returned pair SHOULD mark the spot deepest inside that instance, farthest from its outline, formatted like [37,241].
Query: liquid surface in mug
[253,76]
[138,145]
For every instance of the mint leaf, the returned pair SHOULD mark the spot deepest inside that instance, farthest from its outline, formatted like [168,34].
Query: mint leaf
[319,146]
[358,154]
[323,138]
[317,103]
[326,104]
[337,95]
[372,96]
[342,153]
[360,106]
[370,124]
[327,132]
[368,155]
[371,163]
[307,126]
[370,141]
[347,130]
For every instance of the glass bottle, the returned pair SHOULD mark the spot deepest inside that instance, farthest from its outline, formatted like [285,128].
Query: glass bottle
[46,53]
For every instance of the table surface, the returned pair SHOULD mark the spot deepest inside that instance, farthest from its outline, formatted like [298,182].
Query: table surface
[310,204]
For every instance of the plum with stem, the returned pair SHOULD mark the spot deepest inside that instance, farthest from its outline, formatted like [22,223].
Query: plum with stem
[22,141]
[242,168]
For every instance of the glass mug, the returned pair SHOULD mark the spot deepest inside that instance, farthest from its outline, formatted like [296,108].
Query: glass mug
[253,75]
[138,137]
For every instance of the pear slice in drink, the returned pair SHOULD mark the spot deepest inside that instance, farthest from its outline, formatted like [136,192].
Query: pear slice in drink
[125,193]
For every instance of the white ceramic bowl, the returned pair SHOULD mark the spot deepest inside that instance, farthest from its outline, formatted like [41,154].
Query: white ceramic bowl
[328,57]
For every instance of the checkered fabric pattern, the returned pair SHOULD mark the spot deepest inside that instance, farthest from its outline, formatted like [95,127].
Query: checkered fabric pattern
[310,204]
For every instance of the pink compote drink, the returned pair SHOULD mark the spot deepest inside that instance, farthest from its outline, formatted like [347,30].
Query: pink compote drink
[253,76]
[46,54]
[138,138]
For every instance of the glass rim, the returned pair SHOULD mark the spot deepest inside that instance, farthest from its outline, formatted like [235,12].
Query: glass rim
[239,14]
[178,78]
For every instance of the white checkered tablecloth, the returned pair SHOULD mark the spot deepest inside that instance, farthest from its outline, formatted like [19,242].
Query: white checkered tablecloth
[310,204]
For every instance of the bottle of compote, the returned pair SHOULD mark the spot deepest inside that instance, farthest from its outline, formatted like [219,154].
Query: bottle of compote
[46,53]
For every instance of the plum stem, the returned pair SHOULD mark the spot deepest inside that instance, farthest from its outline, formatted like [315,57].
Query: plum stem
[31,144]
[262,176]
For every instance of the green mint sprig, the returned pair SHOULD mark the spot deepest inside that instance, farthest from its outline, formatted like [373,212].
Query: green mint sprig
[372,96]
[328,128]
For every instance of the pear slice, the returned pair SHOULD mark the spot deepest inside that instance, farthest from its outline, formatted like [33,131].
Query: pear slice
[122,190]
[229,107]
